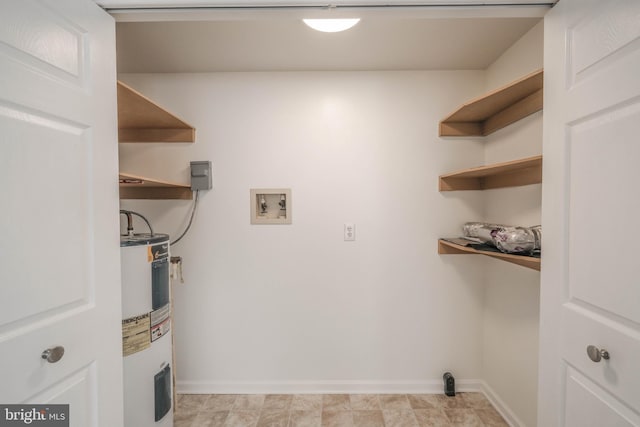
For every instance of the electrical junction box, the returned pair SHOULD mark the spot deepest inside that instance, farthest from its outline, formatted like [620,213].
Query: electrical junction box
[201,176]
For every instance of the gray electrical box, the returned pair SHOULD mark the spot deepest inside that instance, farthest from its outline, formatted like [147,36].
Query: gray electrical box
[201,175]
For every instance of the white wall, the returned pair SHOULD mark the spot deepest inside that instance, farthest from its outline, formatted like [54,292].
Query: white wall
[511,307]
[295,308]
[268,308]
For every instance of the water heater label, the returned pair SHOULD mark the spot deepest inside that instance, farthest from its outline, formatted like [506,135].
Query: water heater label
[135,334]
[160,322]
[157,252]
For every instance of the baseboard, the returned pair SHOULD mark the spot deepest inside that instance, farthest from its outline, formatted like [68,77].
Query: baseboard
[324,387]
[501,406]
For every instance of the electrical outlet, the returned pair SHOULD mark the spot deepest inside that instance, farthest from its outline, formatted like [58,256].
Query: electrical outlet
[349,232]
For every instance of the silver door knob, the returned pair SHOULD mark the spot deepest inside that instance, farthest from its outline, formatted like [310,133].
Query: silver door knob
[596,354]
[53,354]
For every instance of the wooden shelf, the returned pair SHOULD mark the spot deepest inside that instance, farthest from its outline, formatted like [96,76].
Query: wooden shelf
[497,109]
[142,120]
[139,187]
[508,174]
[448,248]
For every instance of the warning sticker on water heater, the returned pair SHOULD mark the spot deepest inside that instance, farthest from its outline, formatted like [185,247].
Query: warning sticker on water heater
[160,322]
[135,334]
[160,329]
[157,252]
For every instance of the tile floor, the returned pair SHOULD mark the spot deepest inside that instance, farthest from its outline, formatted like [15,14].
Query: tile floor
[336,410]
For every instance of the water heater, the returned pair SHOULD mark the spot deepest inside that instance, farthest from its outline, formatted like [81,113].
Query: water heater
[146,337]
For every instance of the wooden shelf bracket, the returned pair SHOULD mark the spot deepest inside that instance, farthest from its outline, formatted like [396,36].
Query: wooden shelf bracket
[508,174]
[142,120]
[139,187]
[484,115]
[448,248]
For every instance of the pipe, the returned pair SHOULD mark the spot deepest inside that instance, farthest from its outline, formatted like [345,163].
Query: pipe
[129,222]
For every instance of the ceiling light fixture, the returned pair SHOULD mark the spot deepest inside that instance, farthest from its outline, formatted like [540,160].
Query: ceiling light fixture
[331,25]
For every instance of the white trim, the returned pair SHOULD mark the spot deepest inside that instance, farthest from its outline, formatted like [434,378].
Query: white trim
[161,14]
[501,406]
[125,4]
[325,387]
[239,14]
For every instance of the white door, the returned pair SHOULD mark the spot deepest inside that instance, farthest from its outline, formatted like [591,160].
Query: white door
[59,243]
[590,292]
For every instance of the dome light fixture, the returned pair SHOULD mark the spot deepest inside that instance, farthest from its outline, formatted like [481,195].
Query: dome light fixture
[331,25]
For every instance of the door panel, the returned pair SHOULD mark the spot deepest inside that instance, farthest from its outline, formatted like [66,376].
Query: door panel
[601,48]
[590,406]
[44,34]
[77,387]
[593,41]
[603,176]
[59,252]
[36,143]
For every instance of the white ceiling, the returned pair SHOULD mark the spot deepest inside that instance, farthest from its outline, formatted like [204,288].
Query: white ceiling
[275,39]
